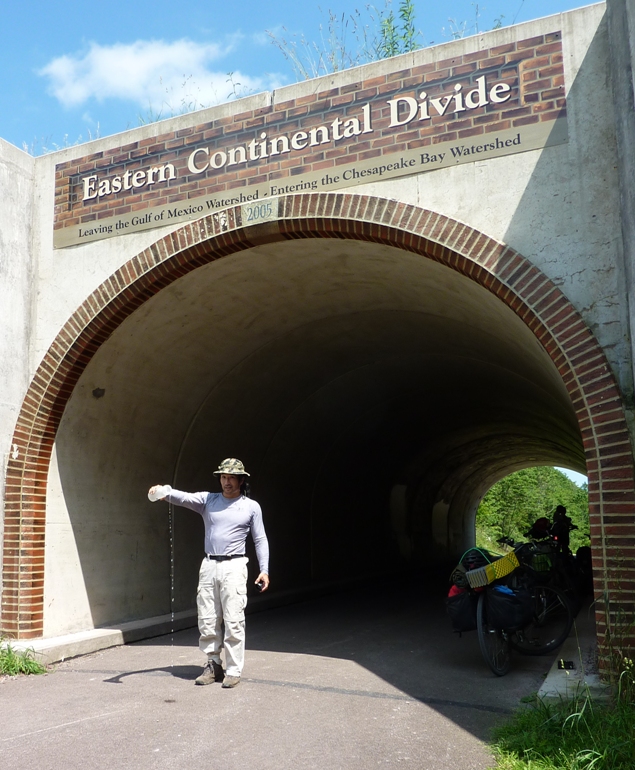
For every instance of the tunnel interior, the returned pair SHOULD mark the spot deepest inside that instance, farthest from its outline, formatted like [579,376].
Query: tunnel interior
[373,394]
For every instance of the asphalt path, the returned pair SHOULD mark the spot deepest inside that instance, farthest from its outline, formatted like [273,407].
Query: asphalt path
[366,679]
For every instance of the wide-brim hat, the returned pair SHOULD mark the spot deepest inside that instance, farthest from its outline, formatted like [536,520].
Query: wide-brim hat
[232,467]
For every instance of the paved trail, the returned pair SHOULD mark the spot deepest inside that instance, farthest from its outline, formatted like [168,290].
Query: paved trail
[353,682]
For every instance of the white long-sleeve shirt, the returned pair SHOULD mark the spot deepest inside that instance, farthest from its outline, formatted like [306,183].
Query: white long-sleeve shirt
[228,521]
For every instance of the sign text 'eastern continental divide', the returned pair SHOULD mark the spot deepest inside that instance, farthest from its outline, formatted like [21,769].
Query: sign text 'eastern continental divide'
[442,118]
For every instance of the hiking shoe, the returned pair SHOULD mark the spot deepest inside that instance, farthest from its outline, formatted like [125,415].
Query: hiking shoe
[213,672]
[231,681]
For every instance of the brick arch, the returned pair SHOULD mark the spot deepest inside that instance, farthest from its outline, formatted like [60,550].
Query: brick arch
[495,266]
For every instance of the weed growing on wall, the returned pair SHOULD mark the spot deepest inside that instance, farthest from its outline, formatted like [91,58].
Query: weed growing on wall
[619,640]
[348,40]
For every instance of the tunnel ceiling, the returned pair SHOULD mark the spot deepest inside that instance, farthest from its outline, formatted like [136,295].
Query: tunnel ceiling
[368,328]
[325,357]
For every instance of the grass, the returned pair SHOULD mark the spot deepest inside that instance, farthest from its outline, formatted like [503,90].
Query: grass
[569,735]
[14,662]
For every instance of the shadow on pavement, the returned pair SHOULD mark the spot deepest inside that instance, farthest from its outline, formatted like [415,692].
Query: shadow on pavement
[355,680]
[181,672]
[399,634]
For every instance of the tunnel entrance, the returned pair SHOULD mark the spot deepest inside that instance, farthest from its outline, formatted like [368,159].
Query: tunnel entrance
[343,374]
[376,371]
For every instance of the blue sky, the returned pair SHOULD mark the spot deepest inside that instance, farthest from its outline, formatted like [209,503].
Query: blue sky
[576,477]
[75,70]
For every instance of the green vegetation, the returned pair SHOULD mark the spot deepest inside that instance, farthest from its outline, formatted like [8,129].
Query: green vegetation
[14,662]
[348,40]
[514,503]
[394,39]
[571,735]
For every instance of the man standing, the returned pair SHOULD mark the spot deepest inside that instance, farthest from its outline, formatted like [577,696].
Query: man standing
[561,528]
[229,516]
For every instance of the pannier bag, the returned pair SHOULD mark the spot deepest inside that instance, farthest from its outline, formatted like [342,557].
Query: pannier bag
[507,608]
[541,560]
[461,606]
[539,557]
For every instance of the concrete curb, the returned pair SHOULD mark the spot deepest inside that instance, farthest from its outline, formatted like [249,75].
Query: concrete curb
[59,648]
[580,652]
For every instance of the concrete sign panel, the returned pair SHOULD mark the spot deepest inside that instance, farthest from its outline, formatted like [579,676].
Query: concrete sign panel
[476,106]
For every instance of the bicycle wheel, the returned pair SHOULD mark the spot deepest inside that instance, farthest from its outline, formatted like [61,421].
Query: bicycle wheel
[549,626]
[493,642]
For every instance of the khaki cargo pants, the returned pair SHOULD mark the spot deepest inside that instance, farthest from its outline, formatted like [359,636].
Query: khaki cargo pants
[221,600]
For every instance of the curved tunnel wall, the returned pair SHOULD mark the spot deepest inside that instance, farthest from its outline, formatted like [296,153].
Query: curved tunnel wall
[355,353]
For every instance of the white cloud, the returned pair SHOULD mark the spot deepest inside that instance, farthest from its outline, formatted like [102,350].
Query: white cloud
[152,73]
[261,38]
